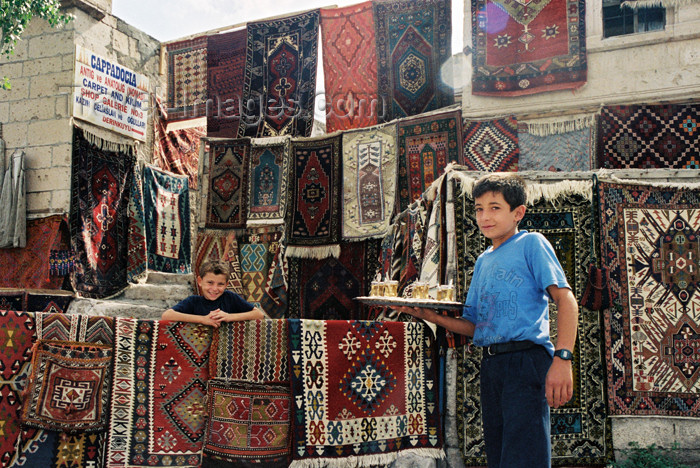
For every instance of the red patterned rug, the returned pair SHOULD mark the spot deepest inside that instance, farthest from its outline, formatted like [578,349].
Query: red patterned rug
[528,47]
[350,67]
[226,71]
[491,145]
[187,79]
[28,267]
[227,183]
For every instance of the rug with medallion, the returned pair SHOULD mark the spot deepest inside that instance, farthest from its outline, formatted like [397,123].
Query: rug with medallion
[227,183]
[491,145]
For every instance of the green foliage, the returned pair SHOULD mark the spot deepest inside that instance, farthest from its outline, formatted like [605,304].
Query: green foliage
[649,457]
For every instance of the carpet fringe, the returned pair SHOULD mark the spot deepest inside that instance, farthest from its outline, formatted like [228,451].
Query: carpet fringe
[314,253]
[107,141]
[559,125]
[656,3]
[264,223]
[608,176]
[382,459]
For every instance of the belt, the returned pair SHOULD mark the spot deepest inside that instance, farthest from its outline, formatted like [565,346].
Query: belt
[509,347]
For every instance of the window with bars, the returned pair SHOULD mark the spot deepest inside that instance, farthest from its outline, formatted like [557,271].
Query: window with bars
[619,20]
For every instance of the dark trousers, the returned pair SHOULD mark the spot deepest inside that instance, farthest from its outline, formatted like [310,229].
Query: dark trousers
[514,409]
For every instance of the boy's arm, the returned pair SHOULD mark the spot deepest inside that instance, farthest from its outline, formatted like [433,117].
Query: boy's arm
[255,314]
[453,324]
[176,316]
[559,386]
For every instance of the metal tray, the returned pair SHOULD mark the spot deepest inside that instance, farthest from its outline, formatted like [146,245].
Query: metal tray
[407,301]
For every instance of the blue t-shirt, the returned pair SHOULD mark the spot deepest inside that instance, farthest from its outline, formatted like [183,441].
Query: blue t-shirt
[228,302]
[507,298]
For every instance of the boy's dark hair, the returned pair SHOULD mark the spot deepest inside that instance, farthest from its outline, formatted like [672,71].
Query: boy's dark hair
[511,186]
[214,266]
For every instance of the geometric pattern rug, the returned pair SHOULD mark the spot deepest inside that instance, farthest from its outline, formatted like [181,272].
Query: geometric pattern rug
[219,245]
[580,430]
[137,262]
[269,176]
[413,42]
[491,145]
[362,391]
[527,47]
[227,183]
[225,73]
[649,240]
[187,78]
[653,136]
[167,207]
[158,393]
[257,250]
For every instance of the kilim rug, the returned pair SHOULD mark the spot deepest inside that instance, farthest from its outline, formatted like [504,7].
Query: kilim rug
[167,205]
[492,145]
[253,351]
[137,261]
[641,137]
[248,424]
[567,151]
[313,226]
[363,392]
[227,183]
[16,331]
[257,250]
[408,245]
[158,393]
[275,301]
[99,221]
[524,48]
[28,267]
[176,151]
[369,182]
[581,432]
[225,75]
[649,240]
[280,80]
[426,146]
[187,79]
[269,173]
[350,67]
[48,301]
[414,39]
[219,245]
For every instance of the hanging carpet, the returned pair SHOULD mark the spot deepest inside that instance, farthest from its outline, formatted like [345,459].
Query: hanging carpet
[649,240]
[137,261]
[227,183]
[219,245]
[364,392]
[408,245]
[491,145]
[269,177]
[158,394]
[257,251]
[567,145]
[522,48]
[350,67]
[313,226]
[369,182]
[426,146]
[654,136]
[414,40]
[275,301]
[280,81]
[225,75]
[167,205]
[580,430]
[187,79]
[99,222]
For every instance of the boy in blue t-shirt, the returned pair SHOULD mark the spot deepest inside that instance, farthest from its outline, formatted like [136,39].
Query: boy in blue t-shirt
[506,312]
[216,304]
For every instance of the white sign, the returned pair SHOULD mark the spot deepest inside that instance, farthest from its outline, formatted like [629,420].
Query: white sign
[109,95]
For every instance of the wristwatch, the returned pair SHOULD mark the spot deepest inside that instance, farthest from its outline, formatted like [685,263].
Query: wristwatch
[564,354]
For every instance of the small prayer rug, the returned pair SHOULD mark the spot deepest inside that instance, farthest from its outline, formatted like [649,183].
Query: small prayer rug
[315,177]
[426,146]
[68,387]
[99,221]
[167,205]
[252,351]
[187,79]
[326,289]
[654,136]
[364,391]
[256,253]
[137,262]
[248,422]
[269,174]
[649,240]
[159,393]
[227,184]
[219,245]
[177,150]
[45,301]
[528,47]
[28,267]
[581,433]
[414,40]
[491,145]
[350,67]
[369,182]
[226,72]
[16,332]
[567,151]
[280,79]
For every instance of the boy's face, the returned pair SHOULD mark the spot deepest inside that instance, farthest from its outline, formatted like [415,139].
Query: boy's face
[495,218]
[212,286]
